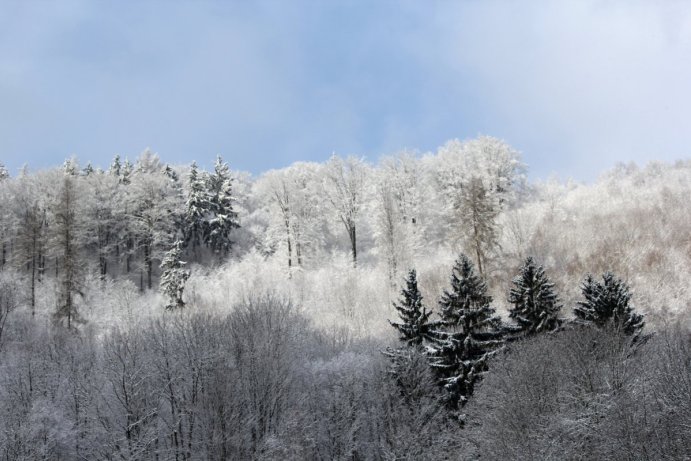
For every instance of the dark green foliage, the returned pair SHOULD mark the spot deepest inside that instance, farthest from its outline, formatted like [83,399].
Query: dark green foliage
[470,333]
[414,328]
[415,325]
[535,304]
[607,304]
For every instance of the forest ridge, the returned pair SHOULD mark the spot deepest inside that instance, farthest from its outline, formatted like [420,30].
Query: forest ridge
[345,310]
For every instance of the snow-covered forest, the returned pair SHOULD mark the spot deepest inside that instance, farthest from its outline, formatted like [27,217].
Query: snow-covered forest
[427,306]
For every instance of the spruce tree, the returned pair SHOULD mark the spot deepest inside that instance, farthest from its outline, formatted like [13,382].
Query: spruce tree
[606,304]
[115,167]
[197,208]
[415,326]
[469,333]
[224,219]
[126,172]
[173,277]
[535,304]
[88,169]
[4,174]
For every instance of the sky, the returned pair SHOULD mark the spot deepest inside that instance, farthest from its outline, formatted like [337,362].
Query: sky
[576,87]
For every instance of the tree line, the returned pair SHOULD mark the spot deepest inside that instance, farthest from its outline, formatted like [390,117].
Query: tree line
[460,343]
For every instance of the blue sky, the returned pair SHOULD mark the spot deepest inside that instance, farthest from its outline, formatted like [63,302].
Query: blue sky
[575,86]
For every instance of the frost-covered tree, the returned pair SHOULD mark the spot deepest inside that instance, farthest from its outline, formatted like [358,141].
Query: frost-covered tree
[345,189]
[469,333]
[66,239]
[479,226]
[71,166]
[126,172]
[9,298]
[476,180]
[102,219]
[174,276]
[398,207]
[607,304]
[115,167]
[291,198]
[148,162]
[4,174]
[223,217]
[535,306]
[28,219]
[153,206]
[197,208]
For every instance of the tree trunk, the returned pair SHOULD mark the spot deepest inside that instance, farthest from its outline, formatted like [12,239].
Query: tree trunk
[353,243]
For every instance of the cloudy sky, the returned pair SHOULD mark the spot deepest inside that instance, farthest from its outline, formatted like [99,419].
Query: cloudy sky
[575,86]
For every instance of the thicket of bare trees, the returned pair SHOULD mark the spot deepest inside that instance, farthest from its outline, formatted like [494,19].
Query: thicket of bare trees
[258,383]
[586,394]
[262,383]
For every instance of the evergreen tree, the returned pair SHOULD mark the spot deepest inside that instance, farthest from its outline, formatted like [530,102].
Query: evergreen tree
[171,174]
[173,276]
[607,304]
[126,172]
[224,218]
[71,166]
[409,361]
[88,169]
[415,326]
[535,304]
[197,208]
[470,333]
[115,167]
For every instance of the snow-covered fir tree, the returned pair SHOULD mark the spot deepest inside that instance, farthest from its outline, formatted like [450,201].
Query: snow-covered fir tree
[126,172]
[171,174]
[535,303]
[197,207]
[71,166]
[409,361]
[608,304]
[115,166]
[224,219]
[88,169]
[469,333]
[173,276]
[414,326]
[4,174]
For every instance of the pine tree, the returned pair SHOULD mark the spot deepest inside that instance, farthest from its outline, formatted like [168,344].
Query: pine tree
[607,304]
[173,276]
[535,304]
[470,333]
[415,326]
[224,218]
